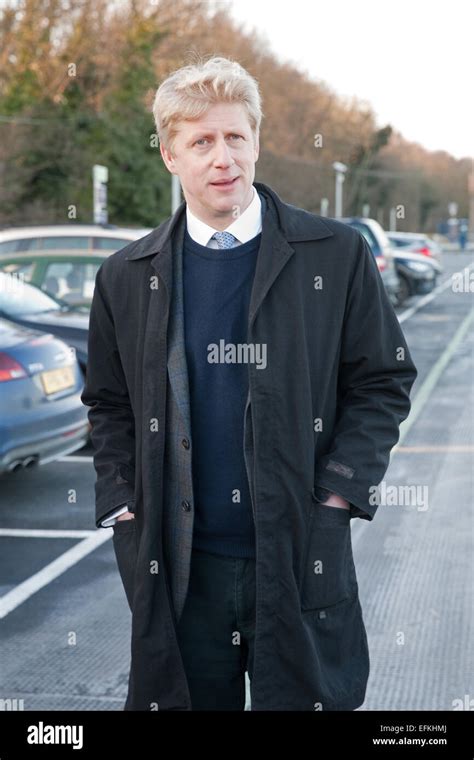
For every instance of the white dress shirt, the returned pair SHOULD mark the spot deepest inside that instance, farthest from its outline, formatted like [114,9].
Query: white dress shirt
[244,228]
[247,226]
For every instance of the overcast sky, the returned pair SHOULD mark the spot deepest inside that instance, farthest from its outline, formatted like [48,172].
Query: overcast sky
[412,60]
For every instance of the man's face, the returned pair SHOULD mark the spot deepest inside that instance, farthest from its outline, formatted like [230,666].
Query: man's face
[218,146]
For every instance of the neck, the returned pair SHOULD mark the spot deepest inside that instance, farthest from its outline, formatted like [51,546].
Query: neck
[224,219]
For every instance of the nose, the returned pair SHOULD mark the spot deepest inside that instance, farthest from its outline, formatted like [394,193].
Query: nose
[223,154]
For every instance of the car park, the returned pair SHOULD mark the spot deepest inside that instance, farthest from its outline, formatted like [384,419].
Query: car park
[416,274]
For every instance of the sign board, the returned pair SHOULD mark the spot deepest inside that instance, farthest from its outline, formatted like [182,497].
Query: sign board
[100,176]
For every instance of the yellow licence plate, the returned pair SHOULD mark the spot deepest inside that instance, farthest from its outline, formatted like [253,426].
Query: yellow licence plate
[55,380]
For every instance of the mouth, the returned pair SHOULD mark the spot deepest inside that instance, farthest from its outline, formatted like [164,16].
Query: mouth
[225,183]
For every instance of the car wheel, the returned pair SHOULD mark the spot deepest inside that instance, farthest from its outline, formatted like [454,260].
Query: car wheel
[404,290]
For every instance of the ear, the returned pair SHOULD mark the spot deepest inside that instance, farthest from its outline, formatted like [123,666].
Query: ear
[167,158]
[257,149]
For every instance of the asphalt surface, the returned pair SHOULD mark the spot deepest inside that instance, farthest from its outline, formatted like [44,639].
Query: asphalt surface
[65,621]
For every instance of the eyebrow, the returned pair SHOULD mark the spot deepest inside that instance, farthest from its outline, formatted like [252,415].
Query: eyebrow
[204,133]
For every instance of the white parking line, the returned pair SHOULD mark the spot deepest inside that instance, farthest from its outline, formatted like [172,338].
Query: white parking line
[75,459]
[23,591]
[432,378]
[430,296]
[46,533]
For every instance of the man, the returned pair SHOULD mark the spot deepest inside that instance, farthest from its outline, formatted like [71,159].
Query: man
[247,377]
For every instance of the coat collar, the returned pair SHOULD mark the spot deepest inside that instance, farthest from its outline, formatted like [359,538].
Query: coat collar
[295,225]
[282,224]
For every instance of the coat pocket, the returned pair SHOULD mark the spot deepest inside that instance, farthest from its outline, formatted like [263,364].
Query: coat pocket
[329,573]
[126,552]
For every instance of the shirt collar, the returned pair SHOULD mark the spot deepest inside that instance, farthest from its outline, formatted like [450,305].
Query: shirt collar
[244,228]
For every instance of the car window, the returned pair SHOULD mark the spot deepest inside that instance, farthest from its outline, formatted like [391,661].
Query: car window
[411,241]
[30,244]
[369,236]
[73,282]
[10,246]
[19,244]
[82,242]
[23,268]
[398,242]
[20,298]
[109,244]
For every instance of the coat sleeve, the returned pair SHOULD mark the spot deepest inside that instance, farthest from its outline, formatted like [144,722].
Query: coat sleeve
[110,415]
[375,376]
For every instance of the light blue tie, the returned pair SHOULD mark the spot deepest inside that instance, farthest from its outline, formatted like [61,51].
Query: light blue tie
[224,239]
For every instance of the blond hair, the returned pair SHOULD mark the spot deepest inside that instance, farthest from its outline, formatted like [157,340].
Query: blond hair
[188,92]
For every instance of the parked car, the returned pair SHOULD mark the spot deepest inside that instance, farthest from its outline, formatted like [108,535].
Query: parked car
[42,416]
[382,250]
[416,274]
[417,243]
[27,305]
[68,275]
[84,237]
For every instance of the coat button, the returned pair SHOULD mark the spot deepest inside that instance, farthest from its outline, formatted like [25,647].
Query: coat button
[185,443]
[186,505]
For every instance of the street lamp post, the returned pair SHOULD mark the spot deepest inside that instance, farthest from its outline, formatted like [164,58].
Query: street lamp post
[471,202]
[340,170]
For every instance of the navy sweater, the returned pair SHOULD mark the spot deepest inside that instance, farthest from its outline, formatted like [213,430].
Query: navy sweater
[217,288]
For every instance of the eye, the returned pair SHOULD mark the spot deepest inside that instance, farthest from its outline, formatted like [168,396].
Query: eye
[200,140]
[239,136]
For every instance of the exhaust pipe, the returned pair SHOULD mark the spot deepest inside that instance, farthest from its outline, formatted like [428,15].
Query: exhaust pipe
[16,465]
[19,464]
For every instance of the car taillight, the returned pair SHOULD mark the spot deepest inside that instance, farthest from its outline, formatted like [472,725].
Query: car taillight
[425,251]
[10,369]
[381,263]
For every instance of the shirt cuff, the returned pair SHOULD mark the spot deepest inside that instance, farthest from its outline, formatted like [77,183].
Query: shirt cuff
[111,519]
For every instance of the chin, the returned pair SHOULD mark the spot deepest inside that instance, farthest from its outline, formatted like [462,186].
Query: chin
[233,198]
[225,204]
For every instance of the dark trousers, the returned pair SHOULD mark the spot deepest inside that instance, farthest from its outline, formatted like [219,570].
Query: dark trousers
[216,630]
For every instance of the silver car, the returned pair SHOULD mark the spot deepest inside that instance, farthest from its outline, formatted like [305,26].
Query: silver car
[416,242]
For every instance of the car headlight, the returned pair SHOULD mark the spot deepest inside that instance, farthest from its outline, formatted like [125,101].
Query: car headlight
[418,267]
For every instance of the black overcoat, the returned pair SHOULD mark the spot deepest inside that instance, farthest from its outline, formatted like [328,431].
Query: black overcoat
[324,412]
